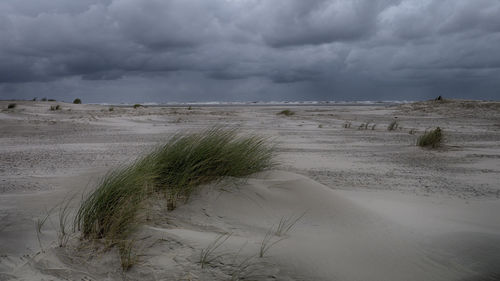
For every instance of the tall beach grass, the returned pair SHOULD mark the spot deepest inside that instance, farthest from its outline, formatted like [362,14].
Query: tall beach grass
[175,170]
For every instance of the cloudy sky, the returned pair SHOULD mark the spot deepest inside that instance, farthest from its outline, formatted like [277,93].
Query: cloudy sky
[246,50]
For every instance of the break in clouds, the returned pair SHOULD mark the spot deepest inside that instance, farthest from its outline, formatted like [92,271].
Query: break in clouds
[187,50]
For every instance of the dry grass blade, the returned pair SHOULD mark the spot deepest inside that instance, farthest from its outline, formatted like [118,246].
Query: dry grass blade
[287,223]
[267,242]
[207,254]
[127,256]
[64,213]
[39,223]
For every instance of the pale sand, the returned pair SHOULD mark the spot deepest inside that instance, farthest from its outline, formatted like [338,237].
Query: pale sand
[376,206]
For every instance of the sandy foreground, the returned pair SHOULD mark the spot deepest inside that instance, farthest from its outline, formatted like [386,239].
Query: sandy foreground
[372,205]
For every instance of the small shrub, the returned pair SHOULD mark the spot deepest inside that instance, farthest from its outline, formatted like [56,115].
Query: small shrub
[34,99]
[393,126]
[137,105]
[347,125]
[44,99]
[77,101]
[286,112]
[111,109]
[55,107]
[320,126]
[51,100]
[189,108]
[412,131]
[431,139]
[11,105]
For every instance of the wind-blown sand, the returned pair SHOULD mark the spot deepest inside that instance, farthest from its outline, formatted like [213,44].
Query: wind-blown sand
[374,205]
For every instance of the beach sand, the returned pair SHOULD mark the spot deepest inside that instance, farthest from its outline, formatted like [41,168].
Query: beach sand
[369,203]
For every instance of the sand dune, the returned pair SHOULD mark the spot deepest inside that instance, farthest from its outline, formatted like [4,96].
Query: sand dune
[375,206]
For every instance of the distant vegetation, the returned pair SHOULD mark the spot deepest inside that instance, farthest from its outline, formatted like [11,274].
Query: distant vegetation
[432,138]
[286,112]
[77,101]
[393,126]
[175,170]
[11,105]
[137,105]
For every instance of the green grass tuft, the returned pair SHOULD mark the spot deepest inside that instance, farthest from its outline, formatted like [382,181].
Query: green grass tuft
[187,161]
[432,138]
[175,170]
[286,112]
[110,211]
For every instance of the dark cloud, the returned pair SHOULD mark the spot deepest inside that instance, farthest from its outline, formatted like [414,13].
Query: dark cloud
[249,49]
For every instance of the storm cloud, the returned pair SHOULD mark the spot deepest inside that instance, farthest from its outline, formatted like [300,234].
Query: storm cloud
[187,50]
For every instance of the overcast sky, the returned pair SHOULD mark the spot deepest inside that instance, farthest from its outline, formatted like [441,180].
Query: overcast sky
[246,50]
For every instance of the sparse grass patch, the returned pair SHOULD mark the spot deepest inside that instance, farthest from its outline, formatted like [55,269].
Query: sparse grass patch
[207,254]
[268,242]
[347,125]
[127,256]
[363,126]
[11,106]
[286,112]
[286,224]
[431,139]
[55,107]
[175,170]
[393,125]
[77,101]
[111,109]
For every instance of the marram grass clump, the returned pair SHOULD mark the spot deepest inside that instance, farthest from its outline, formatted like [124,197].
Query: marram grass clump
[432,138]
[110,211]
[175,170]
[286,112]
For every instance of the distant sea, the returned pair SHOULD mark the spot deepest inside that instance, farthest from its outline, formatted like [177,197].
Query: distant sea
[266,103]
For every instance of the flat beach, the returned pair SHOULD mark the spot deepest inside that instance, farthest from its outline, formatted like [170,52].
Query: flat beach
[363,202]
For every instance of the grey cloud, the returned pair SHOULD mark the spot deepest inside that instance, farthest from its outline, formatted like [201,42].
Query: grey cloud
[246,48]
